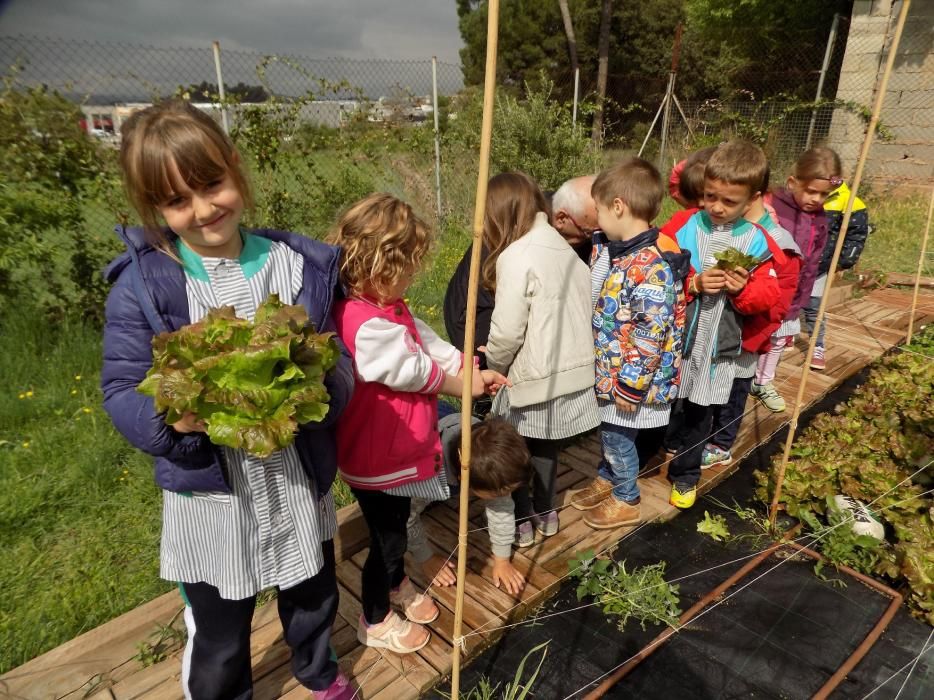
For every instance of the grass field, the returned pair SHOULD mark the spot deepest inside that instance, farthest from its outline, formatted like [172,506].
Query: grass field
[79,512]
[898,224]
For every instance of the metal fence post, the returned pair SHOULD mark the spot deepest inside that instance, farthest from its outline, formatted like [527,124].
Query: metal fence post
[220,85]
[831,40]
[577,85]
[434,102]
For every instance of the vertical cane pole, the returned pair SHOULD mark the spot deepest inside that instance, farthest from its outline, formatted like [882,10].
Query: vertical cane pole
[924,251]
[483,173]
[857,177]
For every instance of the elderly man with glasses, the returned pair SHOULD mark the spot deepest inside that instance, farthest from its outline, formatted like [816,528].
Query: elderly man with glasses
[574,214]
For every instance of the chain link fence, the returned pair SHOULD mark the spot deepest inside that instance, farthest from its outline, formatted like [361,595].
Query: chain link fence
[319,133]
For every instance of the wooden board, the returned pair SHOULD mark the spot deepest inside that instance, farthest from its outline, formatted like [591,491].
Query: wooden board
[101,664]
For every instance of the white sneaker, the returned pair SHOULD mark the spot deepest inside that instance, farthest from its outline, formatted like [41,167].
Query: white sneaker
[769,396]
[864,522]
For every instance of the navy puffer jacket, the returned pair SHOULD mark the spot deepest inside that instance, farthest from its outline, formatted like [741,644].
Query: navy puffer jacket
[148,297]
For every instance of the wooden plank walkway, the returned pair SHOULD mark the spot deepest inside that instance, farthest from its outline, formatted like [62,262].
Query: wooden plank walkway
[101,664]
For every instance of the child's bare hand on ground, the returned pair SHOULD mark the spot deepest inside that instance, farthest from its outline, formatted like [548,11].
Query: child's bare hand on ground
[736,280]
[439,571]
[506,574]
[190,423]
[710,282]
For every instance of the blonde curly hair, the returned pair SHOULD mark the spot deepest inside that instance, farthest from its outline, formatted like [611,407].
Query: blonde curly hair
[382,241]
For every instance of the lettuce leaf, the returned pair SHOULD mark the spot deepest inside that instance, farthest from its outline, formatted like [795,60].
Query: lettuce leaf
[731,258]
[252,384]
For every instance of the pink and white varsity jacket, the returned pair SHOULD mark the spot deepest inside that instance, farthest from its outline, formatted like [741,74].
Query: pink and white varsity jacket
[388,434]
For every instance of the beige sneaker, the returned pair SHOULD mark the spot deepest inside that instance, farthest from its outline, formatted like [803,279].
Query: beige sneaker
[417,607]
[593,495]
[393,633]
[612,513]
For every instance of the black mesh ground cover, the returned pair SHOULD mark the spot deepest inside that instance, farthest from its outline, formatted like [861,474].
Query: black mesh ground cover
[781,637]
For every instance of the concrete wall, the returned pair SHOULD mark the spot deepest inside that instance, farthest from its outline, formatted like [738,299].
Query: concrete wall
[908,109]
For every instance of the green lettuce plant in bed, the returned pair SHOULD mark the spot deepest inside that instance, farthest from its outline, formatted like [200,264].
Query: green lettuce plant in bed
[877,448]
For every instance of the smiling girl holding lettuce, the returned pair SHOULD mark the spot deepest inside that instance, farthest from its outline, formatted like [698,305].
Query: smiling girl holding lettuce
[233,523]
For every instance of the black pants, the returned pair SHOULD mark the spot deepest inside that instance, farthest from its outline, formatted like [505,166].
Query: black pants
[541,498]
[648,442]
[386,517]
[216,663]
[729,416]
[688,433]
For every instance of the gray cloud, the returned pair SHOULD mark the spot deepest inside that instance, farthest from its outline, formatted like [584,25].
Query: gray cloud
[404,29]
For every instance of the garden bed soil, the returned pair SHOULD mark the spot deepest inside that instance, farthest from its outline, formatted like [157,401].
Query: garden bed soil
[779,633]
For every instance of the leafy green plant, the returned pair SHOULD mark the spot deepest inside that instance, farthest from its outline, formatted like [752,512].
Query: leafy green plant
[840,544]
[877,448]
[731,258]
[251,383]
[714,526]
[517,689]
[642,594]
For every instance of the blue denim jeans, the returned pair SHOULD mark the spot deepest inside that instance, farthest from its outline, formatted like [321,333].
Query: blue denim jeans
[620,463]
[810,316]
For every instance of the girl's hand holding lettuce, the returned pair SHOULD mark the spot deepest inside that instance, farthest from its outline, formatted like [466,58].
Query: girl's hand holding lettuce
[251,384]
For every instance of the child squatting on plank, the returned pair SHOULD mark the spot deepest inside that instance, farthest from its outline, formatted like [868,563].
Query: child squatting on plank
[499,464]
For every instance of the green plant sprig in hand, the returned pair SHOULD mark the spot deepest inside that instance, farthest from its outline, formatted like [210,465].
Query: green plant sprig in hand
[731,258]
[252,384]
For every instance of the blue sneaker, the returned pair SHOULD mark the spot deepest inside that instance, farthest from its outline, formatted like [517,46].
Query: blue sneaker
[715,457]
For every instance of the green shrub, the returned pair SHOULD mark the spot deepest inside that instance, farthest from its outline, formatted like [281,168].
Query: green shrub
[533,134]
[52,170]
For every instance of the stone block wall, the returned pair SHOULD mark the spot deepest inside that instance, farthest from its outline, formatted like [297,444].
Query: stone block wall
[908,108]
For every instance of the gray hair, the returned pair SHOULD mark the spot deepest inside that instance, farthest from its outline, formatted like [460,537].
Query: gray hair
[571,196]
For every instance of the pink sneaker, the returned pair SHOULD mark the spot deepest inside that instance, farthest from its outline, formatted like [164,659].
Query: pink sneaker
[417,607]
[340,689]
[817,360]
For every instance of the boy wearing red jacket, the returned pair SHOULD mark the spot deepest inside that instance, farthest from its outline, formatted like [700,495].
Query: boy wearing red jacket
[719,300]
[759,334]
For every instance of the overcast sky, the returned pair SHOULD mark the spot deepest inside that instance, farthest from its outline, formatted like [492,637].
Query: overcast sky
[392,29]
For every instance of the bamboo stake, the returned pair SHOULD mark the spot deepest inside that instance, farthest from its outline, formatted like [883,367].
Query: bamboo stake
[924,248]
[857,177]
[483,175]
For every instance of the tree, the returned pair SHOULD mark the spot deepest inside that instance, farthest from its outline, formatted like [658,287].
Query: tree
[569,32]
[759,46]
[531,40]
[603,49]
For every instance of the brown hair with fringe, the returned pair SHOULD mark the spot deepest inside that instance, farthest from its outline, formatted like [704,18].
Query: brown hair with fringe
[636,182]
[691,182]
[169,132]
[818,163]
[738,162]
[499,458]
[512,202]
[382,241]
